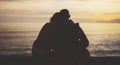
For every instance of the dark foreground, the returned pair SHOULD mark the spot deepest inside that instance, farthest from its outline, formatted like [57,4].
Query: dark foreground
[29,60]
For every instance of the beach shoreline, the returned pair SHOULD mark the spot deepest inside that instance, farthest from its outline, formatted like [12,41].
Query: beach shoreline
[29,60]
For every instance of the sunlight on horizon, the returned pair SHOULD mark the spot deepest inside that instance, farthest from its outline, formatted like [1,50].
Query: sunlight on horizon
[32,12]
[97,10]
[22,20]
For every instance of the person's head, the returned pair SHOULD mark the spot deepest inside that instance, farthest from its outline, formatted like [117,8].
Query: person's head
[64,14]
[55,18]
[60,17]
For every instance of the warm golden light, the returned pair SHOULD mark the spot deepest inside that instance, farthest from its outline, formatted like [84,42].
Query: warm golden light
[98,10]
[22,20]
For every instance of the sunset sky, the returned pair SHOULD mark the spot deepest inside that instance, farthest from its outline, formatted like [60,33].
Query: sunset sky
[84,10]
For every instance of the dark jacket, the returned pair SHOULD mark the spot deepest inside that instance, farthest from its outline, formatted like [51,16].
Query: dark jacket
[61,37]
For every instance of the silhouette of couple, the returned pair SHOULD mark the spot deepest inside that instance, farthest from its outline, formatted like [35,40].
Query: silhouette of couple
[61,38]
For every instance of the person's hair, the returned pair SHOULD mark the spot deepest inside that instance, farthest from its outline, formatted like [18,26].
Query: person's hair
[65,14]
[60,17]
[55,18]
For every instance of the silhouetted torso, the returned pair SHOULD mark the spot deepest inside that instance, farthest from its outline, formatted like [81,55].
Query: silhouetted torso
[62,38]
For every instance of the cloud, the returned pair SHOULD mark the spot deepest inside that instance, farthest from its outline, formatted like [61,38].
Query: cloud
[84,20]
[27,5]
[115,1]
[2,11]
[110,1]
[94,8]
[7,0]
[19,19]
[82,0]
[111,21]
[115,21]
[115,13]
[24,13]
[24,0]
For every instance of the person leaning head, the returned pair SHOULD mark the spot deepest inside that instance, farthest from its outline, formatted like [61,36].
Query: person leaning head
[60,17]
[65,14]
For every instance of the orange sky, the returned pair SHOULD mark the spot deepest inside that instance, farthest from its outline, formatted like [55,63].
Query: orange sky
[85,10]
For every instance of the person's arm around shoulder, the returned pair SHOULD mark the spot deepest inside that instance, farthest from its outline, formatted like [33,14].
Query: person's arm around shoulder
[84,42]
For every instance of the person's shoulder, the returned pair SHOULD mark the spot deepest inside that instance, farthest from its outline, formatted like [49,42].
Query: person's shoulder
[73,24]
[76,24]
[48,23]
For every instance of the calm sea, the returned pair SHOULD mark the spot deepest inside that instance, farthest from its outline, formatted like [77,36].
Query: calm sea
[17,38]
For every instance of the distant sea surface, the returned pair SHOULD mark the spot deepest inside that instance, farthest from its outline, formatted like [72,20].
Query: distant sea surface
[104,38]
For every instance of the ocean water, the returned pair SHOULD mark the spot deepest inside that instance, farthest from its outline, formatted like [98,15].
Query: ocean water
[17,39]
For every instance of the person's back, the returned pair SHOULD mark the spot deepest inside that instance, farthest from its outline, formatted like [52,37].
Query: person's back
[60,38]
[57,37]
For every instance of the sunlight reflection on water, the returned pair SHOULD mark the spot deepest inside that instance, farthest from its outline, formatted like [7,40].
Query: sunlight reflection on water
[104,41]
